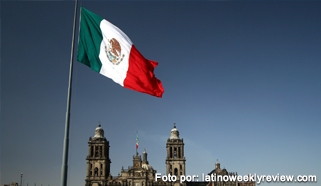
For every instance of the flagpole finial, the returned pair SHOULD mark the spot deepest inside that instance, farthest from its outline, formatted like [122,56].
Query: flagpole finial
[174,125]
[99,124]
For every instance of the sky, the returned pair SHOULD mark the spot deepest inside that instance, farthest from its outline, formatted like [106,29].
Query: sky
[241,81]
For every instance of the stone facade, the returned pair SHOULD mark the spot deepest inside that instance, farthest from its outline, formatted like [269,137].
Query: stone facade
[98,167]
[12,184]
[221,172]
[98,162]
[141,173]
[175,160]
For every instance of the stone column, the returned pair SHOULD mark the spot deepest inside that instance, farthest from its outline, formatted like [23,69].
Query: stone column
[103,151]
[104,170]
[88,169]
[183,151]
[167,169]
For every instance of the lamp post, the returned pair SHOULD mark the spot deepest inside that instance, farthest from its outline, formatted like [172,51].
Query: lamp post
[21,180]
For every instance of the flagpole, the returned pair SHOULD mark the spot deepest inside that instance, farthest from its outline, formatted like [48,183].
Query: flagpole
[67,123]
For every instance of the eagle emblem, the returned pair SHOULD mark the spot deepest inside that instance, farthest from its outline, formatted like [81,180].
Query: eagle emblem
[113,51]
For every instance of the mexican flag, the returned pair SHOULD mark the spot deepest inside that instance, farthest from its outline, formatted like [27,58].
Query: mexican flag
[108,50]
[137,141]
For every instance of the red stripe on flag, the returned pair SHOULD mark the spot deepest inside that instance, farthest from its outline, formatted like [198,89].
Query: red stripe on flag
[140,75]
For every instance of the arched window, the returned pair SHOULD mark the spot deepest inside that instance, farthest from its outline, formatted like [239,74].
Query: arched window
[96,151]
[176,172]
[96,171]
[91,168]
[101,169]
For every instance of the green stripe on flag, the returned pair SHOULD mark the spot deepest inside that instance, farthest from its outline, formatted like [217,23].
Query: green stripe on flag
[90,38]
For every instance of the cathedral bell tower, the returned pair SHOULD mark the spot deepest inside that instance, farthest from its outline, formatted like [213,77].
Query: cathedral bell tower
[98,162]
[175,160]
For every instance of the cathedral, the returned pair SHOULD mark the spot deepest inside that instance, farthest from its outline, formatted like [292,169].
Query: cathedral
[141,173]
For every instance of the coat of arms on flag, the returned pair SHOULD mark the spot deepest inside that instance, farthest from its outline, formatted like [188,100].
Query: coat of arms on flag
[113,51]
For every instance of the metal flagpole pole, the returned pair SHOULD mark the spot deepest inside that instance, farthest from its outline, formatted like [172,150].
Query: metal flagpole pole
[67,123]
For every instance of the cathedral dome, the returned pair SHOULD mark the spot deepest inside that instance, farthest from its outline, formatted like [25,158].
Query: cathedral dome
[147,166]
[174,133]
[99,132]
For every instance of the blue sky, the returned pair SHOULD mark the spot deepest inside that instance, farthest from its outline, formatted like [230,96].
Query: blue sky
[241,80]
